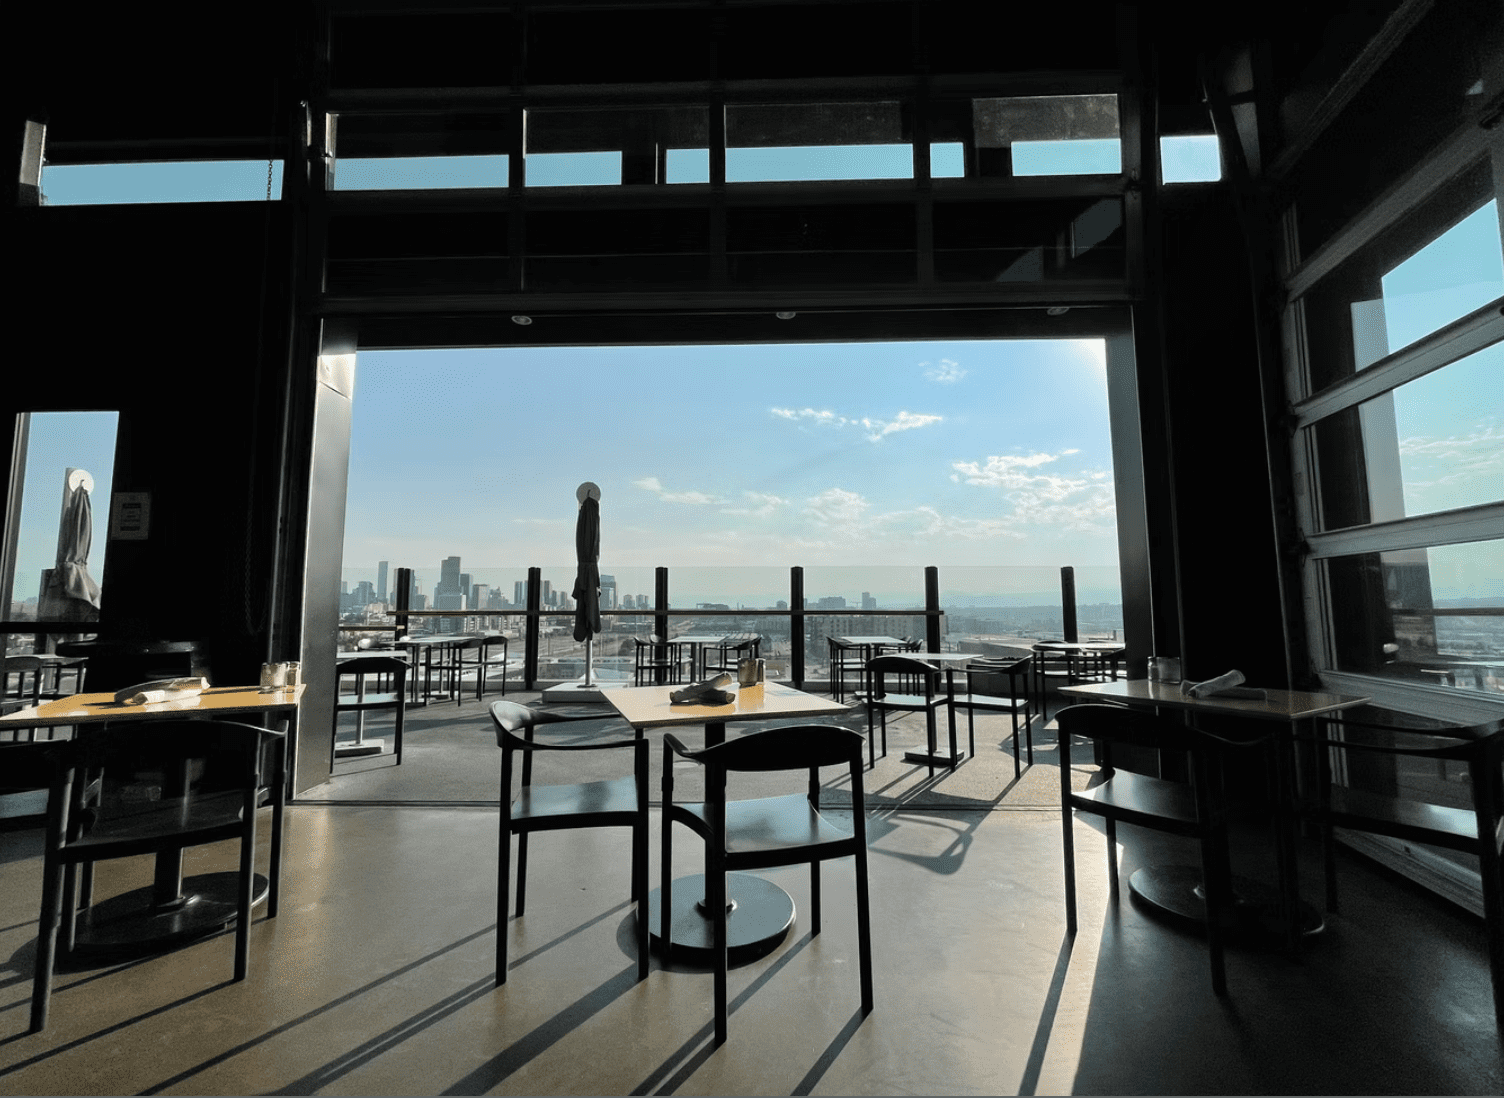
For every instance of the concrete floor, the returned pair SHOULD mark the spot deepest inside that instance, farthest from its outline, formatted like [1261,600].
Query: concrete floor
[377,975]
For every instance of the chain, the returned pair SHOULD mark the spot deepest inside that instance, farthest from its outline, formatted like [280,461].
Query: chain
[268,179]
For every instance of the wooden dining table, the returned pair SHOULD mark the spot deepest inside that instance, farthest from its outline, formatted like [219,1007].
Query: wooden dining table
[173,908]
[762,911]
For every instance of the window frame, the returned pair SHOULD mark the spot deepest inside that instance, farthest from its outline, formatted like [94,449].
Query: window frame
[1463,150]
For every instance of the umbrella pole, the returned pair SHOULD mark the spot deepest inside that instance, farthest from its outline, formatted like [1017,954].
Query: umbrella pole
[589,653]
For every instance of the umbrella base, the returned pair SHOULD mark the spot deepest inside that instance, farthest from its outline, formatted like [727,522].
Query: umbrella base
[577,691]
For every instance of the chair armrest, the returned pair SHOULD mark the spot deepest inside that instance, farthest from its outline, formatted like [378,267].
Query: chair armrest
[673,745]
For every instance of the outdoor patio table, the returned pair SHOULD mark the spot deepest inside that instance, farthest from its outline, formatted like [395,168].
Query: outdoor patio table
[423,648]
[762,912]
[174,908]
[1173,889]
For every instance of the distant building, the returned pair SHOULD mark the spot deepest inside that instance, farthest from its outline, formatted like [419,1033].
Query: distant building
[519,593]
[608,592]
[868,602]
[381,568]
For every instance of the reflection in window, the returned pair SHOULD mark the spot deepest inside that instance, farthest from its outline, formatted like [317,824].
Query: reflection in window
[159,181]
[1406,614]
[1434,444]
[419,173]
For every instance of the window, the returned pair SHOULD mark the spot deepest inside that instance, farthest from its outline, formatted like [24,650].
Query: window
[55,562]
[161,181]
[1401,444]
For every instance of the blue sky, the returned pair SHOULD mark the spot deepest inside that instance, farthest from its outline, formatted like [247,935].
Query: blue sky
[963,453]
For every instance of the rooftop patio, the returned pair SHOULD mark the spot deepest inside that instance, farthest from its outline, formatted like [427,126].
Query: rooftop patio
[377,975]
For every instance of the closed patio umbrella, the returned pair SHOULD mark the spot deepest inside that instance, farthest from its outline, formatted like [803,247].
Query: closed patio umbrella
[69,592]
[587,583]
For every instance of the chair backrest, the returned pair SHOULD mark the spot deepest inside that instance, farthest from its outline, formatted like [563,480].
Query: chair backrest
[1111,724]
[988,673]
[798,747]
[376,665]
[231,753]
[881,666]
[33,765]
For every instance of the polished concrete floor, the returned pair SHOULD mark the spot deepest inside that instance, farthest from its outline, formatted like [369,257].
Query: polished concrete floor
[377,975]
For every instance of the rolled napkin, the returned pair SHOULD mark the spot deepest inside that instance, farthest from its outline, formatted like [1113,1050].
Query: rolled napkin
[709,692]
[1223,686]
[161,690]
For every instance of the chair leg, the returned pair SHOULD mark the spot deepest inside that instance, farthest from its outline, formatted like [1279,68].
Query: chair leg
[640,893]
[247,890]
[864,930]
[47,925]
[521,872]
[666,886]
[814,896]
[1068,841]
[1017,762]
[1112,855]
[503,885]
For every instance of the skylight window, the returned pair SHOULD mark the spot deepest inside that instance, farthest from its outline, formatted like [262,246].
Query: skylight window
[419,173]
[1195,158]
[159,181]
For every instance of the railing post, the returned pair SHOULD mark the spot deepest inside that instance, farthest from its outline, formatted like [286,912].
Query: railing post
[532,625]
[932,608]
[796,626]
[660,602]
[404,600]
[1068,603]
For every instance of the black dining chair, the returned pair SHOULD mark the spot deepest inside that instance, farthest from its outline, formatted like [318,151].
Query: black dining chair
[614,802]
[1197,809]
[998,686]
[727,656]
[768,831]
[163,786]
[1478,831]
[926,699]
[658,661]
[378,688]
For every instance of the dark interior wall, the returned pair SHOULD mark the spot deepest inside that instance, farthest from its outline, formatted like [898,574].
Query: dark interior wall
[155,312]
[1229,579]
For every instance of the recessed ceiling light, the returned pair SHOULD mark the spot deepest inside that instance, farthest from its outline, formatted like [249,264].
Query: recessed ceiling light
[785,315]
[1057,310]
[523,320]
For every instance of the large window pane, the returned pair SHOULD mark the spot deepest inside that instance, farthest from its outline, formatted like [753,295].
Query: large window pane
[160,181]
[1432,445]
[419,173]
[783,142]
[1439,263]
[1425,615]
[1046,135]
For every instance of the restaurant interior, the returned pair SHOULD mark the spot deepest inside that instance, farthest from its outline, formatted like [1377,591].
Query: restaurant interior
[226,337]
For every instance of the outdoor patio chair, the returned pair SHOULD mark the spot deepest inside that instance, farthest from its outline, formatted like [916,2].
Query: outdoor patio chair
[926,699]
[658,661]
[998,686]
[386,693]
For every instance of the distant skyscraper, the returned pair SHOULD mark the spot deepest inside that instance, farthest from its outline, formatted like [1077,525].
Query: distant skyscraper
[381,581]
[548,592]
[519,593]
[868,602]
[608,592]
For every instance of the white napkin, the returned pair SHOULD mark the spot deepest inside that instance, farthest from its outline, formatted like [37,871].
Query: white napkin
[149,693]
[1213,686]
[710,691]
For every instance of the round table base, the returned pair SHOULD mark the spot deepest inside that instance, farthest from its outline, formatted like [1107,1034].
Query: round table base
[761,915]
[130,923]
[1175,891]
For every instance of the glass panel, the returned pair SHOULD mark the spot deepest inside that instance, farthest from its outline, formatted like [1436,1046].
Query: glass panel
[419,173]
[606,147]
[947,160]
[1046,135]
[1438,264]
[1042,239]
[582,169]
[1432,445]
[1426,615]
[65,503]
[688,165]
[162,181]
[1099,157]
[1196,158]
[770,142]
[819,162]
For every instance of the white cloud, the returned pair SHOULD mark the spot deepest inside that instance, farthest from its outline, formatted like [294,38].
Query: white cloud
[876,428]
[757,505]
[836,507]
[654,485]
[945,372]
[1075,501]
